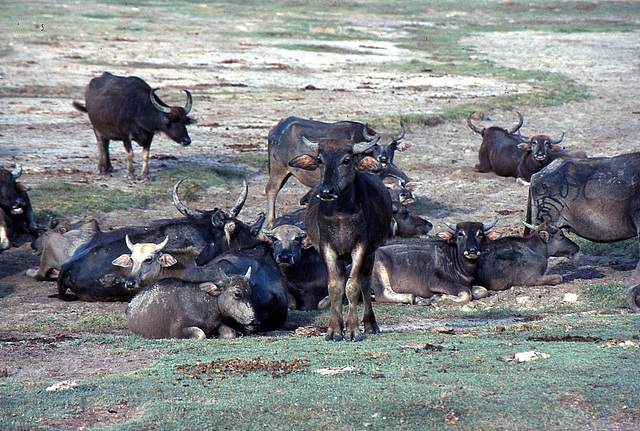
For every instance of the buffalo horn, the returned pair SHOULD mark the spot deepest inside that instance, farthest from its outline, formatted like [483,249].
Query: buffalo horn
[472,126]
[225,278]
[241,200]
[366,134]
[248,274]
[189,105]
[129,243]
[558,141]
[515,129]
[529,226]
[362,147]
[17,171]
[400,134]
[154,100]
[162,245]
[523,138]
[450,225]
[312,145]
[184,210]
[488,226]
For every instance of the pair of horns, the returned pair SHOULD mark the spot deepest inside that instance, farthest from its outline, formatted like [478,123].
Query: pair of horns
[167,109]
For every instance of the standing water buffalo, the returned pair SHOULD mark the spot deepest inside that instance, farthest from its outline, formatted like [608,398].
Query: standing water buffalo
[405,272]
[127,109]
[597,199]
[285,143]
[347,219]
[16,213]
[522,261]
[511,155]
[174,308]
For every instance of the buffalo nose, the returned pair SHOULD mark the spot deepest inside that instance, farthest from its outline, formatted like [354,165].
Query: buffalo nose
[131,284]
[186,141]
[284,258]
[327,193]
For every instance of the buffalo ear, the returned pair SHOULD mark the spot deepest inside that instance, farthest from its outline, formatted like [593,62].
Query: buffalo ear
[412,186]
[22,187]
[306,243]
[211,288]
[369,164]
[404,146]
[447,235]
[305,161]
[124,260]
[166,260]
[491,236]
[524,146]
[555,147]
[544,236]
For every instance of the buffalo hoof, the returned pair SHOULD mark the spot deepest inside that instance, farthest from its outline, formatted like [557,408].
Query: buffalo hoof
[633,295]
[333,337]
[479,292]
[460,297]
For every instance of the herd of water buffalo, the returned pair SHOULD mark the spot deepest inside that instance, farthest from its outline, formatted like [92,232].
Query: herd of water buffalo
[210,273]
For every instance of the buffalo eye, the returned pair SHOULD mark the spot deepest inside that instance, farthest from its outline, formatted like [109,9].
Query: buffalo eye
[149,259]
[346,160]
[460,233]
[237,295]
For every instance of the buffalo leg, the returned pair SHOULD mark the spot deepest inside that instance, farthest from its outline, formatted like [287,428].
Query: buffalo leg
[368,317]
[104,163]
[274,184]
[129,150]
[146,146]
[193,333]
[359,281]
[336,286]
[455,292]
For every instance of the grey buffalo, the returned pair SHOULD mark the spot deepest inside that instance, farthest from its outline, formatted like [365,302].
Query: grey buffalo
[127,109]
[174,308]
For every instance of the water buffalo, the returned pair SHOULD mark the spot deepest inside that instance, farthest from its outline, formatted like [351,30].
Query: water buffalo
[269,289]
[59,243]
[509,154]
[285,142]
[174,308]
[16,213]
[409,271]
[299,263]
[127,109]
[347,219]
[522,261]
[91,276]
[407,225]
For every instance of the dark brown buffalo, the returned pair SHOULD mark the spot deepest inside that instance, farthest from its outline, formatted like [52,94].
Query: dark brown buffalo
[522,261]
[597,198]
[285,143]
[300,264]
[174,308]
[410,271]
[15,207]
[509,154]
[347,219]
[91,276]
[127,109]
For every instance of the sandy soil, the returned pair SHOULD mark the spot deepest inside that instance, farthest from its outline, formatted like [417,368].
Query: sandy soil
[241,89]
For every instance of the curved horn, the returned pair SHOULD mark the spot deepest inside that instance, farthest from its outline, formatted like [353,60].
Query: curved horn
[515,129]
[248,274]
[488,226]
[163,244]
[366,134]
[472,126]
[129,243]
[241,200]
[362,147]
[189,105]
[17,171]
[184,210]
[558,141]
[312,145]
[450,225]
[523,138]
[224,276]
[529,226]
[400,134]
[154,101]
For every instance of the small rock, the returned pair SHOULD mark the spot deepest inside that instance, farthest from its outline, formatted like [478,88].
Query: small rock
[570,297]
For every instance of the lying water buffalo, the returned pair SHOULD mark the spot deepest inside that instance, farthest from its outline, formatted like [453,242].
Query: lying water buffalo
[16,213]
[522,261]
[405,272]
[127,109]
[174,308]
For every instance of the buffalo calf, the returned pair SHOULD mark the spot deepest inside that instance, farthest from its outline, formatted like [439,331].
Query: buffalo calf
[174,308]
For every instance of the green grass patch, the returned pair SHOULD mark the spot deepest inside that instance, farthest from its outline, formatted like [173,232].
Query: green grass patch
[628,247]
[610,297]
[60,199]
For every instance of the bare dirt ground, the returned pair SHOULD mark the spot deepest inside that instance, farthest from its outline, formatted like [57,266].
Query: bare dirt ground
[242,88]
